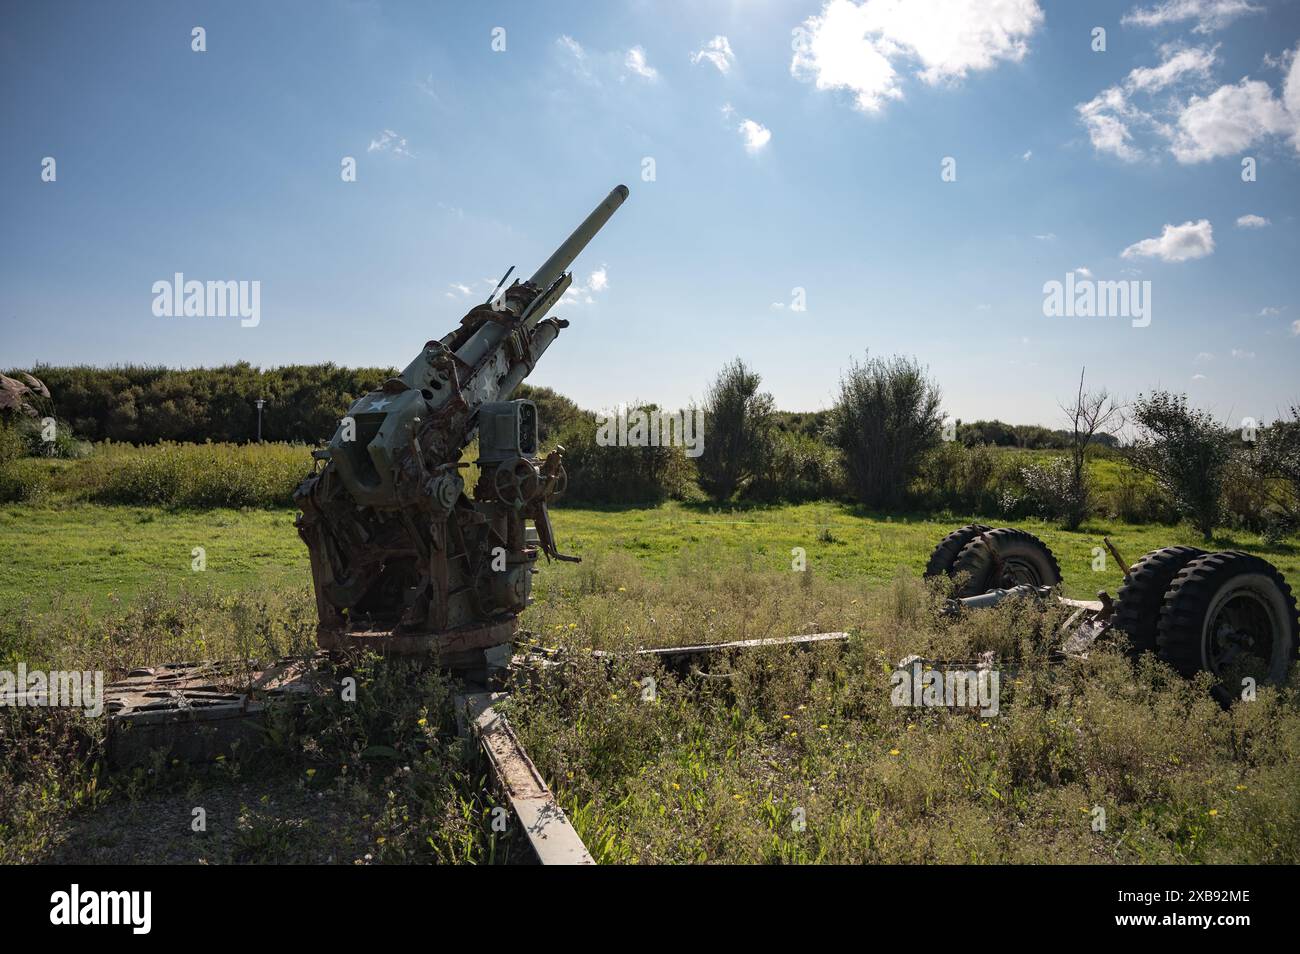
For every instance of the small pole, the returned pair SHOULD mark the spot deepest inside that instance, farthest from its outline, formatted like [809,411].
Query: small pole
[260,404]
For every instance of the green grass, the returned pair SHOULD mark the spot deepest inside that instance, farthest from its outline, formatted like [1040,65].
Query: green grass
[714,769]
[92,552]
[89,552]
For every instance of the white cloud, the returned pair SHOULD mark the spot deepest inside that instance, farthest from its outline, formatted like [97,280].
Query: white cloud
[755,134]
[1291,95]
[1178,63]
[1198,377]
[1107,117]
[636,63]
[575,58]
[1111,116]
[1204,357]
[1252,221]
[457,286]
[1210,15]
[1269,312]
[1177,243]
[860,47]
[1226,121]
[1295,327]
[718,52]
[598,68]
[1240,354]
[1085,272]
[1046,237]
[1230,119]
[1029,154]
[389,141]
[582,293]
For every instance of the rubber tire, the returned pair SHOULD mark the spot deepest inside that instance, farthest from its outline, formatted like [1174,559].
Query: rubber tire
[1182,618]
[945,554]
[976,559]
[1142,595]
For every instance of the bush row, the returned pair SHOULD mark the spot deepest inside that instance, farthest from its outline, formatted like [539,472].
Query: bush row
[168,474]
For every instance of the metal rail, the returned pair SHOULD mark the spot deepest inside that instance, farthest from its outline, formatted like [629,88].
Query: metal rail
[548,830]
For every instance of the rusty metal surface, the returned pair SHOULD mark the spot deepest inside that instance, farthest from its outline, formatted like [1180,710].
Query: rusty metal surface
[17,393]
[707,649]
[678,658]
[450,646]
[547,828]
[197,711]
[396,540]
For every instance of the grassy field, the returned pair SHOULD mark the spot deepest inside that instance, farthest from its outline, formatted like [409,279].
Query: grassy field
[716,769]
[97,553]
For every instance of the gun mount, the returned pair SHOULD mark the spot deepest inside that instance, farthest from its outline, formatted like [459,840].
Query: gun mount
[402,558]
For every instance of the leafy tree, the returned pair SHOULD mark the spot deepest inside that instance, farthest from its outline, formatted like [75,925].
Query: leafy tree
[886,418]
[145,405]
[738,424]
[1185,452]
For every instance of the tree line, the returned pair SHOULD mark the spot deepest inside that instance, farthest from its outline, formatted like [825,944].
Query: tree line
[888,435]
[884,443]
[146,405]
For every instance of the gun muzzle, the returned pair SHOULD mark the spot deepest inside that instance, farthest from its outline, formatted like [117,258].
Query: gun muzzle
[491,333]
[563,257]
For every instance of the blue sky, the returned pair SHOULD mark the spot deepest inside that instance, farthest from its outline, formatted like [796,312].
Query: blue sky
[776,168]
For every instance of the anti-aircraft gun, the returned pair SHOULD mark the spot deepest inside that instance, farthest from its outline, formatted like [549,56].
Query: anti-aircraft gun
[402,558]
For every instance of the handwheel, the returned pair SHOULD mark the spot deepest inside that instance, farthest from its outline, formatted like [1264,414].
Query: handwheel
[516,482]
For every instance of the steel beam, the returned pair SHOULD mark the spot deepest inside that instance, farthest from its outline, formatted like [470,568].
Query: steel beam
[548,830]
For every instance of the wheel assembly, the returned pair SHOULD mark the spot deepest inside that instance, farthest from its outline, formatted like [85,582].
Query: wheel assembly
[945,554]
[1231,614]
[1005,557]
[1142,595]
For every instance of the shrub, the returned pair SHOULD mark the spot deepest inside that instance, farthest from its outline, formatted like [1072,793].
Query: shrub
[1278,462]
[886,418]
[968,480]
[1136,498]
[12,445]
[1053,491]
[739,421]
[200,475]
[20,483]
[25,437]
[1186,453]
[1246,494]
[621,475]
[798,468]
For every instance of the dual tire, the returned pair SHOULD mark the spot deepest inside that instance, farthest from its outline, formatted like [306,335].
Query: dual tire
[982,558]
[1230,613]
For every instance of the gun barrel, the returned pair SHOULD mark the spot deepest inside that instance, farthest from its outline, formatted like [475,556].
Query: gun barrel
[563,257]
[491,333]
